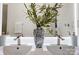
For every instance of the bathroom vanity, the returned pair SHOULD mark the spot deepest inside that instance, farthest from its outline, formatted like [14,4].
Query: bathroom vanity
[27,46]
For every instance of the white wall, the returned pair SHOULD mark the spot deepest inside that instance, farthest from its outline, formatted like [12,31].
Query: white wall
[0,18]
[16,15]
[78,18]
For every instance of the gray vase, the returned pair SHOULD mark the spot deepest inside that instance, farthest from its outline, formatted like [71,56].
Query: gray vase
[38,37]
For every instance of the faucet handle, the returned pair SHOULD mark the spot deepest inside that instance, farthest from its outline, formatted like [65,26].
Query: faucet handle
[60,37]
[18,36]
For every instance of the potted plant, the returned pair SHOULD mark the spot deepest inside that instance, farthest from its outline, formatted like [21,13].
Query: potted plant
[42,16]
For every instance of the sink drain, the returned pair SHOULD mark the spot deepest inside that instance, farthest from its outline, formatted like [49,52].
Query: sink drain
[60,47]
[17,47]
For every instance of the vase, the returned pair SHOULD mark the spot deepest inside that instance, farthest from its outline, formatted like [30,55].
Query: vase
[38,37]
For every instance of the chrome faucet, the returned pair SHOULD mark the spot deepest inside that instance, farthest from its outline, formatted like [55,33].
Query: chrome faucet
[58,41]
[18,40]
[59,38]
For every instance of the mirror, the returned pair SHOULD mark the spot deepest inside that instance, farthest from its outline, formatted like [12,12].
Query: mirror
[15,22]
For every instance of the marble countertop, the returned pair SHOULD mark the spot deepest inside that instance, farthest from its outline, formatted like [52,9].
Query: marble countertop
[47,41]
[33,49]
[76,50]
[1,50]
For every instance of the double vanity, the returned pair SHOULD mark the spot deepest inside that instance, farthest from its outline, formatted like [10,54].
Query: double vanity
[27,47]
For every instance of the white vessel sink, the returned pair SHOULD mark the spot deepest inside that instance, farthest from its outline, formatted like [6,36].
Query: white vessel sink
[39,51]
[13,50]
[61,50]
